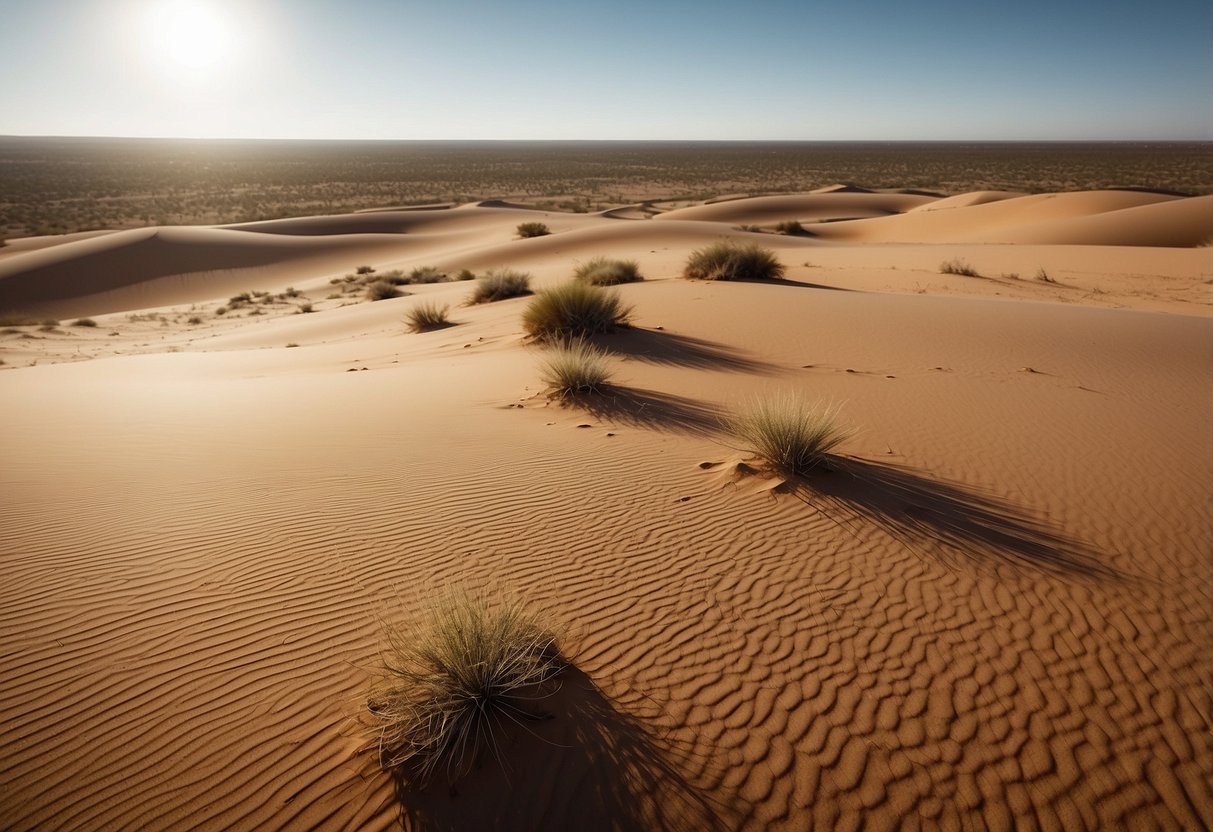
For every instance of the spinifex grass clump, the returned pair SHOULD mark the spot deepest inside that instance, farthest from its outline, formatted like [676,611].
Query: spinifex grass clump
[791,433]
[957,266]
[453,689]
[575,367]
[426,316]
[728,260]
[601,271]
[574,310]
[382,290]
[499,284]
[532,229]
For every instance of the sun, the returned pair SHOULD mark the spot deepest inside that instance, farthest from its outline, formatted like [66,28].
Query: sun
[190,36]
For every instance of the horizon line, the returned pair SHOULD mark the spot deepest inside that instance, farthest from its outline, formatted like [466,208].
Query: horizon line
[1206,140]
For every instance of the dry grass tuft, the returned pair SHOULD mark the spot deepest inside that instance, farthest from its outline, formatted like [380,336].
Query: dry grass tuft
[84,322]
[382,290]
[789,432]
[729,260]
[453,689]
[427,316]
[575,367]
[499,284]
[532,229]
[601,271]
[958,266]
[574,310]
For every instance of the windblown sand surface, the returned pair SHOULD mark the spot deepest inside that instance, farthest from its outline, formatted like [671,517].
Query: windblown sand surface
[994,612]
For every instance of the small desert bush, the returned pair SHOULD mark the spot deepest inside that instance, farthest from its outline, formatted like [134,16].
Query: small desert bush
[728,260]
[1043,276]
[453,687]
[499,284]
[305,308]
[194,320]
[789,227]
[222,310]
[573,310]
[788,432]
[427,274]
[465,274]
[601,271]
[532,229]
[575,367]
[957,266]
[364,270]
[426,316]
[382,290]
[84,322]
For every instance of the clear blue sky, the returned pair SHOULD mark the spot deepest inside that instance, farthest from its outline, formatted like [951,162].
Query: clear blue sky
[616,69]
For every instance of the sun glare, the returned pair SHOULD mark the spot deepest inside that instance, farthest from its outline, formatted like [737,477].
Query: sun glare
[191,36]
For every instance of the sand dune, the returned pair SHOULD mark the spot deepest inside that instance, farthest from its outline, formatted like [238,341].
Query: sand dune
[993,612]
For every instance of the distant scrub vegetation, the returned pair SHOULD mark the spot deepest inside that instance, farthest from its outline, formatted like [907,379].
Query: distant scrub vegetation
[532,229]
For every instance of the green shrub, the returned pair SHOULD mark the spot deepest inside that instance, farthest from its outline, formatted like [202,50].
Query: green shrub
[425,316]
[729,260]
[603,272]
[790,433]
[499,284]
[957,266]
[382,290]
[575,367]
[453,687]
[532,229]
[572,310]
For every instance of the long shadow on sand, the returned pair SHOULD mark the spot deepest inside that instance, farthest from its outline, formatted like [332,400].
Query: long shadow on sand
[590,766]
[960,521]
[649,409]
[679,351]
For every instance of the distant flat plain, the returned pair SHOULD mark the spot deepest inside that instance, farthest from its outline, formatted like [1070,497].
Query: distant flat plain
[62,185]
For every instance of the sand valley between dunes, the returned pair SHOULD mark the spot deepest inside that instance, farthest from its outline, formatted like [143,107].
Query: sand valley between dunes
[993,612]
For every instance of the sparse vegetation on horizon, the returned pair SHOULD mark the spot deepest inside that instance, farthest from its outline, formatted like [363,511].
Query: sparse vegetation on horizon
[454,686]
[87,322]
[572,310]
[500,284]
[730,260]
[602,271]
[575,367]
[789,432]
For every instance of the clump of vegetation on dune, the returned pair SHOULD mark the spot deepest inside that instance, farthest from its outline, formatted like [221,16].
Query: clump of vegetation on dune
[575,367]
[958,266]
[382,290]
[730,260]
[789,432]
[574,310]
[427,316]
[455,687]
[602,271]
[500,284]
[531,229]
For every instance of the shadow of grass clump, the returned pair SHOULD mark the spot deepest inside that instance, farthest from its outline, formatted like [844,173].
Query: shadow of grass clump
[962,523]
[668,349]
[649,409]
[591,764]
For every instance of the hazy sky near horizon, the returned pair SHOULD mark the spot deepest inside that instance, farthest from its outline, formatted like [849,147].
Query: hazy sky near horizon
[474,69]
